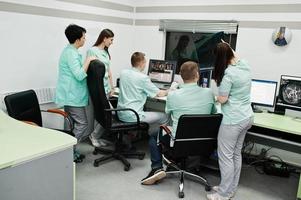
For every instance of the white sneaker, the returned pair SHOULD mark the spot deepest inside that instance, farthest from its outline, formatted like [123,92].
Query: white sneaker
[216,196]
[215,189]
[97,143]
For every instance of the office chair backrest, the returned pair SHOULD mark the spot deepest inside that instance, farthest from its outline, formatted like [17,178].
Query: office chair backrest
[24,106]
[96,72]
[197,134]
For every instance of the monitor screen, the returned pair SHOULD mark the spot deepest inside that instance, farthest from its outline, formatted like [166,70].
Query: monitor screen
[205,76]
[263,92]
[289,94]
[162,71]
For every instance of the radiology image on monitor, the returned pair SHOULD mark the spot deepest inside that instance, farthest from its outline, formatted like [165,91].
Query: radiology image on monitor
[290,91]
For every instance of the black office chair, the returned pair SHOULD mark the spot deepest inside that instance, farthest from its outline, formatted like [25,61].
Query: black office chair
[196,135]
[110,122]
[25,106]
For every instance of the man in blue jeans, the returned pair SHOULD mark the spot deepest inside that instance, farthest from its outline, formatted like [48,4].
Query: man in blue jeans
[189,99]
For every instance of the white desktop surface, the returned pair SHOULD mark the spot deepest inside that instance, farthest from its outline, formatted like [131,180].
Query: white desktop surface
[21,142]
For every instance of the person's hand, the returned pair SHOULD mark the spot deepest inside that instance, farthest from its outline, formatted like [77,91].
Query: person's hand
[225,42]
[90,58]
[112,92]
[174,86]
[87,62]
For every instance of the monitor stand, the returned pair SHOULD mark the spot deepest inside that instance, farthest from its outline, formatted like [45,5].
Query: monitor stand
[255,109]
[279,110]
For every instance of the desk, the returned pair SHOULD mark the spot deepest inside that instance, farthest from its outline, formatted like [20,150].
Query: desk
[35,162]
[283,132]
[279,131]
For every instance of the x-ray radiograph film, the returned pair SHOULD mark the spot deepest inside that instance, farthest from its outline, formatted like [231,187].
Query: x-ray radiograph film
[290,92]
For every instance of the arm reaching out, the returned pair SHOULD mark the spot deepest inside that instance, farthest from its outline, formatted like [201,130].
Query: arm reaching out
[162,93]
[235,54]
[87,62]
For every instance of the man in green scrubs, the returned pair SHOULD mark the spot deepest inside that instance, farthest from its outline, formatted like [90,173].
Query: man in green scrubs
[189,99]
[135,87]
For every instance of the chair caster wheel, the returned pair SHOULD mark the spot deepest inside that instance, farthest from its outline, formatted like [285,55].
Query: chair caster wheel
[141,157]
[207,188]
[96,164]
[181,195]
[126,168]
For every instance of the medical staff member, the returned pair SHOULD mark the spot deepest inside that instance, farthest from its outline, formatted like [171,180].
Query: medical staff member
[135,87]
[233,77]
[189,99]
[71,89]
[101,51]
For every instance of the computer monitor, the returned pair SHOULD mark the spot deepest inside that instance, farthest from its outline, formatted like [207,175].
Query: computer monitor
[289,95]
[205,76]
[263,93]
[162,71]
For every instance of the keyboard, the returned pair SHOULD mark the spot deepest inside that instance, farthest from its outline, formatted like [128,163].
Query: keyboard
[162,86]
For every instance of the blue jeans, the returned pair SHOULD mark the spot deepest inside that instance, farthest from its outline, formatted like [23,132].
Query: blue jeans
[154,119]
[155,150]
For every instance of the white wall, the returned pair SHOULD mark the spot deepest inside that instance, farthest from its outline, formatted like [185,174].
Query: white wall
[31,46]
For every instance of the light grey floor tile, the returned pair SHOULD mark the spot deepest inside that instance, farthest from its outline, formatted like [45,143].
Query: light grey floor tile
[110,182]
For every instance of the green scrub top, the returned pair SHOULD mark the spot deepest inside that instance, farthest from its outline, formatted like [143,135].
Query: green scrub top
[71,89]
[104,57]
[236,84]
[189,99]
[134,87]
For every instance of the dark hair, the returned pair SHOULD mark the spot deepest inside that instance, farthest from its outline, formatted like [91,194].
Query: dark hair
[224,54]
[74,32]
[136,58]
[189,70]
[105,33]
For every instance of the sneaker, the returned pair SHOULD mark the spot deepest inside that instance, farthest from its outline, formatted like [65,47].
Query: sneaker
[216,196]
[154,176]
[97,143]
[215,189]
[170,168]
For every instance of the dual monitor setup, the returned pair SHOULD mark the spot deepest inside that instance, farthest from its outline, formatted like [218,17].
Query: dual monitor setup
[162,73]
[263,92]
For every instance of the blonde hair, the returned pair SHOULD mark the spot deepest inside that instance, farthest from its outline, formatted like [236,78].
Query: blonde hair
[136,58]
[189,70]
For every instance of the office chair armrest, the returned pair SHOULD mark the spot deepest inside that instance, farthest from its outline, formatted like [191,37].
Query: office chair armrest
[167,130]
[125,109]
[29,122]
[57,111]
[62,113]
